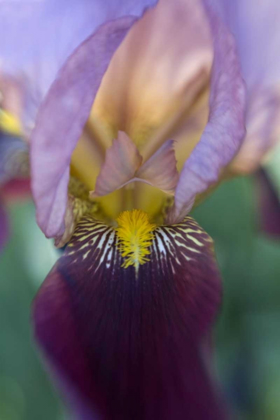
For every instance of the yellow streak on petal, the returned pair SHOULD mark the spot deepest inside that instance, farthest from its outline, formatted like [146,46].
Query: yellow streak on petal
[135,235]
[86,161]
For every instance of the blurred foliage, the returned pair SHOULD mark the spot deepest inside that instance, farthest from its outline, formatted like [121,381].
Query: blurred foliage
[25,391]
[247,330]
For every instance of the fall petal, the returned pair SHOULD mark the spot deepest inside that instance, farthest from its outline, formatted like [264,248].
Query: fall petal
[224,131]
[67,106]
[127,343]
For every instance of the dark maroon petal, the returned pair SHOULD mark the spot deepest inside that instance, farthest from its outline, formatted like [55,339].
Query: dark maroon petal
[4,228]
[128,345]
[17,189]
[268,204]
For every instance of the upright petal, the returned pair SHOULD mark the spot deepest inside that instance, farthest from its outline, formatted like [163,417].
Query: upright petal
[224,131]
[160,169]
[123,165]
[156,74]
[255,25]
[128,343]
[67,106]
[121,162]
[36,37]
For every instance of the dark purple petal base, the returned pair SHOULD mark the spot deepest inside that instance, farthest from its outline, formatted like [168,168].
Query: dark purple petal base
[269,204]
[130,345]
[4,226]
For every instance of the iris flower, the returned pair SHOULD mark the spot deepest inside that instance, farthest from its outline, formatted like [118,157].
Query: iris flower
[145,117]
[14,151]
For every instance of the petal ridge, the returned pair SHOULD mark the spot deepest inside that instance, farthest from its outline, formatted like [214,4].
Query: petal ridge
[67,106]
[225,130]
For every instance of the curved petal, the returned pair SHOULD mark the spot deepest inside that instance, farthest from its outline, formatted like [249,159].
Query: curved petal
[160,169]
[156,74]
[128,343]
[255,25]
[122,166]
[121,162]
[62,118]
[224,131]
[4,227]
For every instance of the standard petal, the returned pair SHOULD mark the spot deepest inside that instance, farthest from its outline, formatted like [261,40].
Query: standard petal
[36,37]
[256,30]
[156,74]
[127,343]
[263,130]
[121,162]
[224,131]
[255,25]
[67,107]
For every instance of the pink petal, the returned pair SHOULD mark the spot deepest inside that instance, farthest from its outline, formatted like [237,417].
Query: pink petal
[224,132]
[121,162]
[160,170]
[149,79]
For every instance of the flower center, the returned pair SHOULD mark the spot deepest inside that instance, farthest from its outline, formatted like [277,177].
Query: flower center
[135,235]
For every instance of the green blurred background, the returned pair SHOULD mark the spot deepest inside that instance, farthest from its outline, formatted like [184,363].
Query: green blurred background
[247,330]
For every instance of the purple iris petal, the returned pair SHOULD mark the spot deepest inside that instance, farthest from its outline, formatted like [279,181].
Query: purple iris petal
[225,130]
[128,344]
[255,25]
[36,37]
[67,107]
